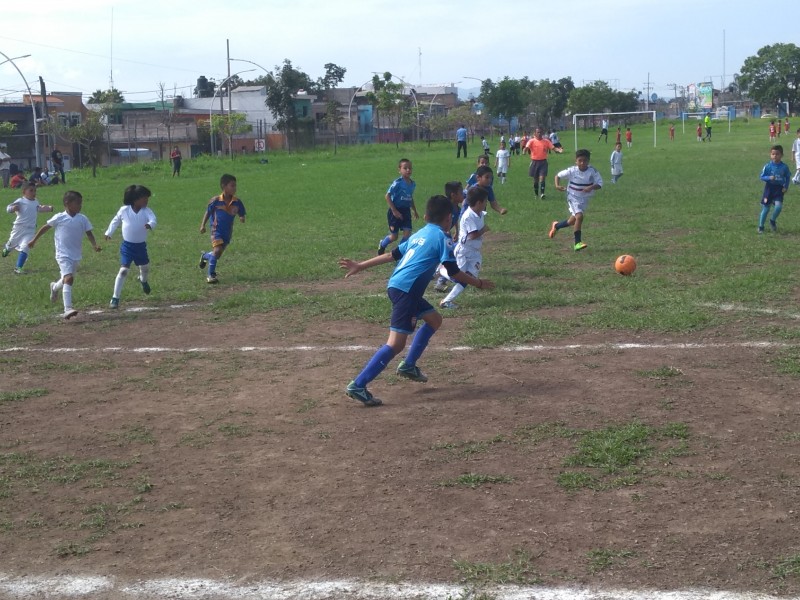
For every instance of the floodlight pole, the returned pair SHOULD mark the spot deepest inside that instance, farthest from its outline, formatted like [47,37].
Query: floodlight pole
[33,105]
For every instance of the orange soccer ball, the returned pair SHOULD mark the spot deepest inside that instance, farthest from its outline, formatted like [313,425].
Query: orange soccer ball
[625,265]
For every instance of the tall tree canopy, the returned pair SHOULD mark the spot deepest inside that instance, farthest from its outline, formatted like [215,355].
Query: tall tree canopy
[282,87]
[112,96]
[599,97]
[772,75]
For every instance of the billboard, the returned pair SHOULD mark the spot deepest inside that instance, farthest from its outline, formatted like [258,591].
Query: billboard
[700,96]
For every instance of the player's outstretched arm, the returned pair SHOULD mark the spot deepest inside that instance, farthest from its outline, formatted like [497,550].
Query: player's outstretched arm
[352,266]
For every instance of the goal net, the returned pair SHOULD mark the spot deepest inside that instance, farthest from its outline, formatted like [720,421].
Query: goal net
[615,119]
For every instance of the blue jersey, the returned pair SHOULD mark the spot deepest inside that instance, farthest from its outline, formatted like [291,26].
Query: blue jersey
[222,215]
[422,253]
[401,193]
[773,188]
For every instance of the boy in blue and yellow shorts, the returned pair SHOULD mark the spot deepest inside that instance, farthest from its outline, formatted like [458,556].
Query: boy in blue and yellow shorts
[221,211]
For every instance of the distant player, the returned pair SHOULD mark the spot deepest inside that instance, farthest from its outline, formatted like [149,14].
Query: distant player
[773,132]
[796,154]
[70,227]
[27,208]
[221,212]
[776,176]
[603,130]
[400,198]
[417,259]
[502,162]
[616,163]
[582,182]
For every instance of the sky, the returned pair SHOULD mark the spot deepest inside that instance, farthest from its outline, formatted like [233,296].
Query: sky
[140,46]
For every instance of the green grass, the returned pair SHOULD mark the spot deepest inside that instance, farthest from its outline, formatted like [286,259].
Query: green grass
[686,211]
[518,569]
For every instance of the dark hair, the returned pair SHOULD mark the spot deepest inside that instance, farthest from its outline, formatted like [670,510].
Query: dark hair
[27,184]
[402,160]
[476,194]
[778,147]
[452,187]
[72,196]
[583,153]
[225,180]
[483,170]
[133,193]
[438,208]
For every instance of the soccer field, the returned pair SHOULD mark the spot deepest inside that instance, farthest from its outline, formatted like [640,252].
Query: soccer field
[581,433]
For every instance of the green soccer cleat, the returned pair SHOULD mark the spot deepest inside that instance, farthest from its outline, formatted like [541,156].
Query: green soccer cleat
[114,303]
[6,251]
[361,394]
[413,373]
[579,246]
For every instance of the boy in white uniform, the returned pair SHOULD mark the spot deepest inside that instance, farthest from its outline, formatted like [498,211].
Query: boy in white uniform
[582,181]
[616,163]
[502,162]
[471,228]
[796,153]
[27,208]
[70,227]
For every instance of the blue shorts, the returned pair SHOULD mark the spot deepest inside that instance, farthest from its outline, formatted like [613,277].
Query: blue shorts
[404,222]
[133,253]
[772,194]
[406,310]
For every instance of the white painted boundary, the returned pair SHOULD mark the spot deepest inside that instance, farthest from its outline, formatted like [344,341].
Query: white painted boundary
[99,587]
[364,348]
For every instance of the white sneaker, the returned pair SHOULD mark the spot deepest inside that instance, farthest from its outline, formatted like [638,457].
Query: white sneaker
[449,304]
[53,292]
[69,313]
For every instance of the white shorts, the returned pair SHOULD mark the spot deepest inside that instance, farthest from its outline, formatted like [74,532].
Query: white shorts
[67,266]
[469,262]
[19,239]
[577,205]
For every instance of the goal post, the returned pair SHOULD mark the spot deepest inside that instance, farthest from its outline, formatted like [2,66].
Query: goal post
[608,115]
[699,116]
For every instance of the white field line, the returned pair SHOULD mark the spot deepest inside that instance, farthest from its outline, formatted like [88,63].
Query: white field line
[743,308]
[364,348]
[99,587]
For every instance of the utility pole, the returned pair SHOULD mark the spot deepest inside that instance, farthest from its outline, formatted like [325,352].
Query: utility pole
[647,94]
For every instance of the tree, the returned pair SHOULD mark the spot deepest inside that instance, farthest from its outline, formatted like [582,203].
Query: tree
[282,87]
[112,96]
[334,75]
[389,99]
[503,100]
[772,75]
[332,119]
[89,134]
[7,128]
[230,125]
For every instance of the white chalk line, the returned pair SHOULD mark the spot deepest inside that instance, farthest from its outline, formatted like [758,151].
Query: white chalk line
[365,348]
[89,587]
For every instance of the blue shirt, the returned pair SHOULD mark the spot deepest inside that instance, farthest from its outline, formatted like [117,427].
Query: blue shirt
[401,193]
[222,215]
[779,170]
[461,134]
[422,253]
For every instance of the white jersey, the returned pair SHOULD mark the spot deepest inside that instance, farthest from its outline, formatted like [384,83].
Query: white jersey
[503,158]
[133,224]
[469,223]
[616,163]
[578,181]
[26,215]
[796,152]
[69,232]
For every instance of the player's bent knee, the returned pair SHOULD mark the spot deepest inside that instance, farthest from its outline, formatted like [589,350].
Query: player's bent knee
[123,271]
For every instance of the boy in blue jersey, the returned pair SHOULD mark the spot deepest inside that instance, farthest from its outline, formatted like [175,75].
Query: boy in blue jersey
[417,259]
[400,198]
[484,177]
[222,211]
[776,177]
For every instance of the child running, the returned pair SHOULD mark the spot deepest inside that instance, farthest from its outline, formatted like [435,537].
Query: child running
[27,208]
[502,162]
[472,227]
[70,226]
[455,192]
[776,176]
[417,259]
[222,211]
[582,181]
[400,198]
[137,221]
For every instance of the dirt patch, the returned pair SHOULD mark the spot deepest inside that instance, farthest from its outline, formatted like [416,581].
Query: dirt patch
[212,460]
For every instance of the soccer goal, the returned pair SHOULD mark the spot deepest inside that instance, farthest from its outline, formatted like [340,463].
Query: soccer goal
[685,116]
[616,123]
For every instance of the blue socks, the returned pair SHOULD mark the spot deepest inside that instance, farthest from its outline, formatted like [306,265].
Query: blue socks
[23,256]
[418,344]
[385,241]
[375,366]
[212,264]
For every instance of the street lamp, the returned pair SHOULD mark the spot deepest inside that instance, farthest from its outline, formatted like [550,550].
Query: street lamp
[211,107]
[33,104]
